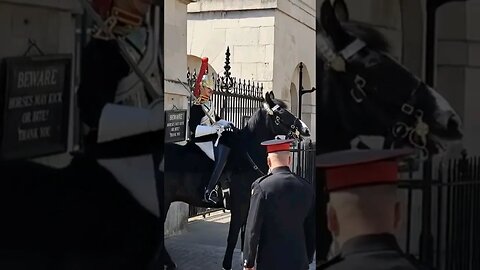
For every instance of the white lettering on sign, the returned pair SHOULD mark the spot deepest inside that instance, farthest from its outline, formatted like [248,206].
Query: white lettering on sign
[20,102]
[27,134]
[40,99]
[54,98]
[44,132]
[37,100]
[34,133]
[174,124]
[40,116]
[26,117]
[37,78]
[175,117]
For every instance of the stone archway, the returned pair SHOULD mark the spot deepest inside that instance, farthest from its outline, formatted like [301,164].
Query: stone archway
[293,98]
[306,84]
[308,100]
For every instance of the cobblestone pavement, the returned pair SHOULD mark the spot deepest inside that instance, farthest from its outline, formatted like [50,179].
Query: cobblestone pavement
[202,246]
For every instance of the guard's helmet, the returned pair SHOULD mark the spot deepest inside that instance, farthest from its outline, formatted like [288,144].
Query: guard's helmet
[203,78]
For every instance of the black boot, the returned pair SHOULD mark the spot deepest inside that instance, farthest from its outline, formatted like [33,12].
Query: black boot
[221,156]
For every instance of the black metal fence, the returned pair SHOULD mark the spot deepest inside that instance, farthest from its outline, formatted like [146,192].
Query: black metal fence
[303,159]
[455,215]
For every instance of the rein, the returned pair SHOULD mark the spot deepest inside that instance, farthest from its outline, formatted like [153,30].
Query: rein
[254,165]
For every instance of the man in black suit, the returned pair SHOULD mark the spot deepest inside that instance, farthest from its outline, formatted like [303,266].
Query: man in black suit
[281,221]
[364,211]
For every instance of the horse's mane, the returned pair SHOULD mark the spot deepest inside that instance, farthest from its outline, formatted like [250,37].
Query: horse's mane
[372,37]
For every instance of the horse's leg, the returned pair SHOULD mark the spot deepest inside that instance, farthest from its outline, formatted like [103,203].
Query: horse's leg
[235,224]
[167,260]
[240,204]
[242,235]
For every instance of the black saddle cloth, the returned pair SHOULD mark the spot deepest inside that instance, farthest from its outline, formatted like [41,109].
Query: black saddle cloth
[186,158]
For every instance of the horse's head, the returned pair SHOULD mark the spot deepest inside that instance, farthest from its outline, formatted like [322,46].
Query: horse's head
[274,119]
[373,94]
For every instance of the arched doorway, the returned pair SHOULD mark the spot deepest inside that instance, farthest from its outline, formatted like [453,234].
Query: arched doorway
[294,93]
[293,99]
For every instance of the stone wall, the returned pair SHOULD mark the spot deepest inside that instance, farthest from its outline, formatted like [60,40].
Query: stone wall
[267,41]
[175,94]
[458,65]
[249,37]
[294,42]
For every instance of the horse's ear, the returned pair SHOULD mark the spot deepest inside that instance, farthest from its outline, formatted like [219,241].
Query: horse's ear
[332,26]
[272,95]
[268,99]
[341,10]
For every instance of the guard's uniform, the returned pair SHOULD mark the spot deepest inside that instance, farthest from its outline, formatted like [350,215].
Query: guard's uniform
[125,122]
[345,170]
[208,131]
[198,117]
[280,222]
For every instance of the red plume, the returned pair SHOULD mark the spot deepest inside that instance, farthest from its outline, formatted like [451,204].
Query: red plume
[203,70]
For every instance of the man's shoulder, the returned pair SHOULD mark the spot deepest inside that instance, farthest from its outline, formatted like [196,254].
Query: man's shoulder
[334,263]
[366,260]
[260,179]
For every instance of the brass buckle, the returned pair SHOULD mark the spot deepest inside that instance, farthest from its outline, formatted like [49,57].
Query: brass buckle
[105,31]
[127,17]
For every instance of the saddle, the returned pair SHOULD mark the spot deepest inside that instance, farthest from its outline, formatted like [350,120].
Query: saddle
[206,130]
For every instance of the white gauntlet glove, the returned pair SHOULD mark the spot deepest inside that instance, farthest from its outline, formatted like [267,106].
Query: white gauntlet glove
[119,121]
[224,123]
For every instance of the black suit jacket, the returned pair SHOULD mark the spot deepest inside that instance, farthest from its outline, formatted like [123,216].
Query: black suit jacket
[281,222]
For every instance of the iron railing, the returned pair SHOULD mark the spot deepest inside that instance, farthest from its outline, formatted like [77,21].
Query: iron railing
[455,214]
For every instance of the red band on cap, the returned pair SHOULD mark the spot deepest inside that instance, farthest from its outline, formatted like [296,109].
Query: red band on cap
[361,174]
[278,147]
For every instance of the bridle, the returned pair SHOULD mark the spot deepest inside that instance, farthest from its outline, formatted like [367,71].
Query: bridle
[409,124]
[291,130]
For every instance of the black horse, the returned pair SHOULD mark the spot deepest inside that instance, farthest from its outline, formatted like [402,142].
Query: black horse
[187,168]
[74,218]
[366,92]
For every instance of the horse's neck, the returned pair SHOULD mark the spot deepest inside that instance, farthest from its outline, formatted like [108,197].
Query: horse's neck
[333,135]
[253,137]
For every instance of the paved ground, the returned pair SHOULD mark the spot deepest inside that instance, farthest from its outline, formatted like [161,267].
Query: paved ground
[203,245]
